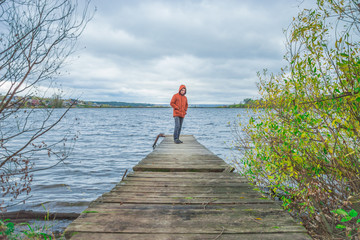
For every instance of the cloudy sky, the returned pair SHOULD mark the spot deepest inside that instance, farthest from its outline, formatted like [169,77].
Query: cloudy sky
[141,51]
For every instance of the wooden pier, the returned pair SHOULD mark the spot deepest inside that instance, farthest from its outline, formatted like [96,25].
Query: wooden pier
[184,191]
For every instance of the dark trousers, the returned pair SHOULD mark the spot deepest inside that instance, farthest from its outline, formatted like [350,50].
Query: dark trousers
[178,124]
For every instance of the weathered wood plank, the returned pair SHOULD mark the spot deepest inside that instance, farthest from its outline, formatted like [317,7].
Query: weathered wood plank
[179,184]
[182,195]
[270,206]
[182,162]
[195,222]
[183,175]
[183,200]
[182,236]
[178,168]
[184,156]
[197,180]
[184,190]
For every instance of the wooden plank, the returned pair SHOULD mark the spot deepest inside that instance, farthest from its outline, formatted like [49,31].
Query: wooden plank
[179,195]
[218,181]
[183,175]
[270,206]
[190,190]
[178,168]
[166,236]
[184,162]
[183,200]
[154,155]
[181,187]
[258,211]
[187,164]
[179,184]
[195,222]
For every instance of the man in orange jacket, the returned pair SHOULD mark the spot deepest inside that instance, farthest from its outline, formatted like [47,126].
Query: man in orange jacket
[180,105]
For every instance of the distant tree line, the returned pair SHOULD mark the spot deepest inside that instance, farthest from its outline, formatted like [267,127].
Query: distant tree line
[248,103]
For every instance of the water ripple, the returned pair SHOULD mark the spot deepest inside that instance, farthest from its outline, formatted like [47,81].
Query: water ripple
[113,140]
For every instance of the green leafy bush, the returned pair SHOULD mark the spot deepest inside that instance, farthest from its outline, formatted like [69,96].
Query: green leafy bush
[6,228]
[304,145]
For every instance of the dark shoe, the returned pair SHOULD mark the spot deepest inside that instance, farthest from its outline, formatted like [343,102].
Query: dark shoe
[181,141]
[177,141]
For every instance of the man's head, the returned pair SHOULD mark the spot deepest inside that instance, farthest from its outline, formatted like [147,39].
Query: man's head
[182,90]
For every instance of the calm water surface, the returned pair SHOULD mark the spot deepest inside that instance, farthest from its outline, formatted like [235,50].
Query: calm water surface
[113,140]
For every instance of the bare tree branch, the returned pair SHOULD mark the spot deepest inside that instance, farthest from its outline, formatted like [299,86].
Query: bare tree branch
[36,37]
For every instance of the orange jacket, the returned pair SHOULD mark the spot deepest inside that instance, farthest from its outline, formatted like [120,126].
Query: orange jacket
[179,103]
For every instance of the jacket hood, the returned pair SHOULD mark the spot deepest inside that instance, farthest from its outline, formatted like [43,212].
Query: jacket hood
[181,87]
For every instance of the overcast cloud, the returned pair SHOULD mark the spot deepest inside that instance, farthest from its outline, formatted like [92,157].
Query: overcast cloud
[141,51]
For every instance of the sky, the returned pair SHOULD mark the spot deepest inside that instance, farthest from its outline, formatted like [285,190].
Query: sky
[143,50]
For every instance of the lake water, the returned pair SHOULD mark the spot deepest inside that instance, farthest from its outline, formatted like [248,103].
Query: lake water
[113,140]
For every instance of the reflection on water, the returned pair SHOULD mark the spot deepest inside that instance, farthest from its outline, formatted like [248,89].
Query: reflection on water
[113,140]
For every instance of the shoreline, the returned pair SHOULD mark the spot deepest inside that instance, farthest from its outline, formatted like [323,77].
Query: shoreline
[28,215]
[218,107]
